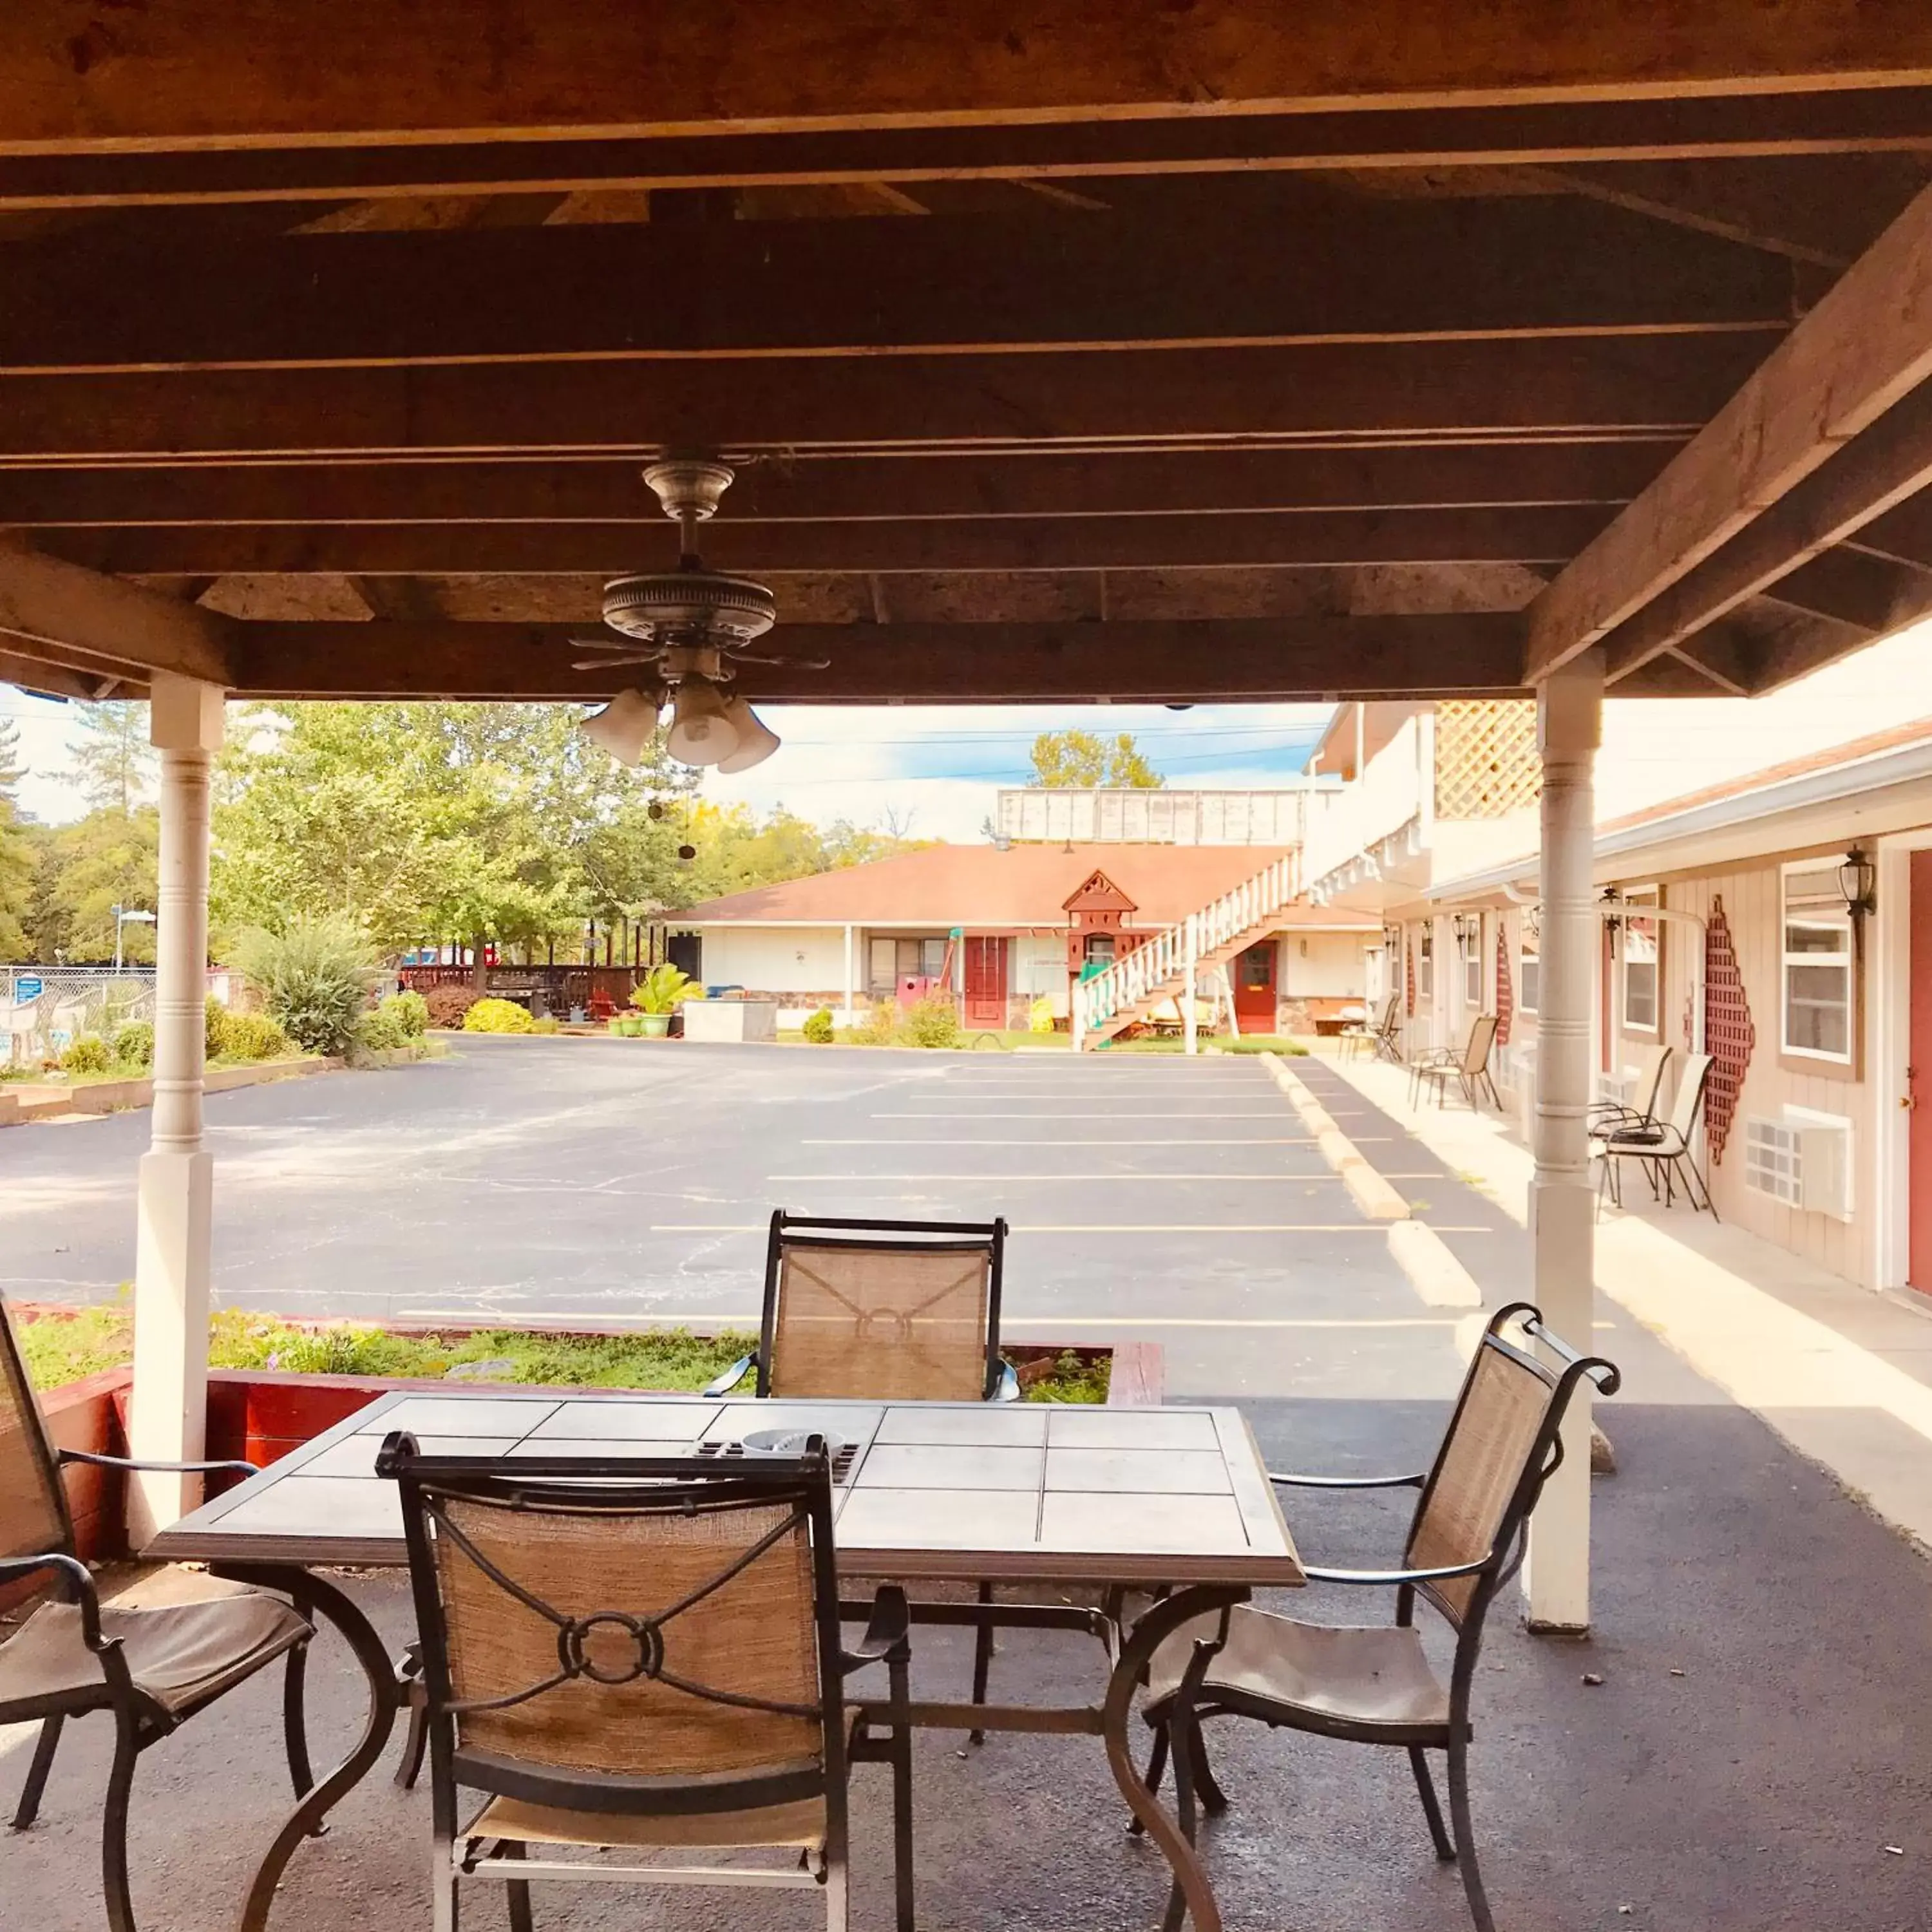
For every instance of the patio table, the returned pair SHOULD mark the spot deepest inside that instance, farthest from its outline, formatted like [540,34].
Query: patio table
[1171,1500]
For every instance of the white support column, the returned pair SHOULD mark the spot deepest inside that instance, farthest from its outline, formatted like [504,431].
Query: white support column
[1190,1013]
[851,984]
[168,1419]
[1562,1203]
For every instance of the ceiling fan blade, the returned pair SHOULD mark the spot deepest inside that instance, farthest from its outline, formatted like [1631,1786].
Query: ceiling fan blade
[787,664]
[613,663]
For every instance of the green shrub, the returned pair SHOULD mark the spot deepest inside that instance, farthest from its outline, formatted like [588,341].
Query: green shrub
[314,977]
[660,989]
[214,1016]
[881,1026]
[818,1027]
[498,1016]
[252,1036]
[447,1005]
[134,1044]
[88,1054]
[547,1023]
[380,1031]
[412,1010]
[934,1021]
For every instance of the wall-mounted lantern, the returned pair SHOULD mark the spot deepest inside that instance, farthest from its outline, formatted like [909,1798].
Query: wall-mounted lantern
[1858,880]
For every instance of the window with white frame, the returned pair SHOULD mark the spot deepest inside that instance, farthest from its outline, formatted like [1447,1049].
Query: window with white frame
[1471,942]
[1529,963]
[1425,962]
[1819,993]
[1639,948]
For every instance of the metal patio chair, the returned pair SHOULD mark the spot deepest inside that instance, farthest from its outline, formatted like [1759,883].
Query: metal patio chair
[1382,1041]
[889,1311]
[643,1654]
[1662,1147]
[1641,1111]
[152,1668]
[1375,1684]
[1468,1065]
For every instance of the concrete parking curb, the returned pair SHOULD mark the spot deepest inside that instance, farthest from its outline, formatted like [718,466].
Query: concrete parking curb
[1433,1272]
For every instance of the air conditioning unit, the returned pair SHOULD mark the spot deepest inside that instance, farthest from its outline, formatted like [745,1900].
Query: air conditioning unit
[1802,1160]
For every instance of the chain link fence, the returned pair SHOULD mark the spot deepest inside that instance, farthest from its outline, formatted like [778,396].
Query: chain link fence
[44,1010]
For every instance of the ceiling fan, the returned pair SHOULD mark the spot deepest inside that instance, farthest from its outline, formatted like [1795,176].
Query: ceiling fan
[693,626]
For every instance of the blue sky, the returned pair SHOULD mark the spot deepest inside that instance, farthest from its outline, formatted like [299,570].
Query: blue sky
[933,770]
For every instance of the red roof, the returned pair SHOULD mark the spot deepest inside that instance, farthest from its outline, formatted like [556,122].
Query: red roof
[982,887]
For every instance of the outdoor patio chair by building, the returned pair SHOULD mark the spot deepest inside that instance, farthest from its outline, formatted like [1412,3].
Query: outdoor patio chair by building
[152,1670]
[1640,1109]
[1663,1147]
[650,1661]
[1375,1684]
[1383,1040]
[1468,1065]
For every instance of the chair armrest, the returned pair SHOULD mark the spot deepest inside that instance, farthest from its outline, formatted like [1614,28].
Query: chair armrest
[888,1637]
[1007,1388]
[731,1378]
[230,1466]
[1415,1482]
[14,1568]
[1389,1579]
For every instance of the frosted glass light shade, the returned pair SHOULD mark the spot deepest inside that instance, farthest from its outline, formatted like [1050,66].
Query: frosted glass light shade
[624,727]
[701,732]
[757,741]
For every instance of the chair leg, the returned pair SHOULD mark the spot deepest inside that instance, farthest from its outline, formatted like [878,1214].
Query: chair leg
[982,1661]
[519,1891]
[1156,1766]
[410,1768]
[1703,1182]
[838,1891]
[44,1747]
[1213,1799]
[294,1722]
[445,1905]
[1432,1809]
[114,1824]
[1187,1733]
[1466,1840]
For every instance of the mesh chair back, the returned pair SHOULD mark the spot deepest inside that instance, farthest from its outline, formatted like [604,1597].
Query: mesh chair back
[1502,1444]
[33,1502]
[878,1318]
[1482,1037]
[1649,1081]
[664,1632]
[1690,1095]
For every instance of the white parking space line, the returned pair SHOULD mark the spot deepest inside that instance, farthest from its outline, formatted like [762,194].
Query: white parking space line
[1007,1141]
[1103,1113]
[1379,1228]
[1134,1175]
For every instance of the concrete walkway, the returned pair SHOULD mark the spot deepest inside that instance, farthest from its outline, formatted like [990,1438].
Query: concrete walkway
[1843,1375]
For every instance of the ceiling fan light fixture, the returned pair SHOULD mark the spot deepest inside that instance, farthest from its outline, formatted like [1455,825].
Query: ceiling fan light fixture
[624,727]
[701,730]
[757,740]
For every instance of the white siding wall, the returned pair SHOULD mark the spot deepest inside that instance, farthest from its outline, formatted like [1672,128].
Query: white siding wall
[774,959]
[1323,965]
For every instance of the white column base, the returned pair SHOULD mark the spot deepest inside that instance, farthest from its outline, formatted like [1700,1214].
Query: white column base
[1556,1573]
[168,1419]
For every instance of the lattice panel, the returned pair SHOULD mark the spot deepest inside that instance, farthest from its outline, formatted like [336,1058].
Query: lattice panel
[1486,763]
[1505,988]
[1730,1036]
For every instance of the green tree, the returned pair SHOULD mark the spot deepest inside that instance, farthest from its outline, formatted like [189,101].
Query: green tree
[109,858]
[1080,760]
[19,853]
[114,760]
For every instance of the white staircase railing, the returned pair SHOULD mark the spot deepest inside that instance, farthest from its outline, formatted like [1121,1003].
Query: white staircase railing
[1166,962]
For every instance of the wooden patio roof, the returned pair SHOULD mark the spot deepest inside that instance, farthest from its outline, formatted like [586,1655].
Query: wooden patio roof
[1171,350]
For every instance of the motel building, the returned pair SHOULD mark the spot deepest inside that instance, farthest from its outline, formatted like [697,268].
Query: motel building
[1072,882]
[1767,903]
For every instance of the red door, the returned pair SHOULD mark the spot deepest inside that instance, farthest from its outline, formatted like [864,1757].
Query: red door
[1254,988]
[1919,1094]
[985,981]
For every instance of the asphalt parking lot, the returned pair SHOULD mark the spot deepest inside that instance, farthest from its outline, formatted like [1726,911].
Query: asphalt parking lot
[593,1183]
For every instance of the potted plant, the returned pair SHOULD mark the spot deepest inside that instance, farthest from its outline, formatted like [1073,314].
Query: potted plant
[655,997]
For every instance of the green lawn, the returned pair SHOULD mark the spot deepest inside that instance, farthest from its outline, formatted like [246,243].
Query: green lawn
[61,1349]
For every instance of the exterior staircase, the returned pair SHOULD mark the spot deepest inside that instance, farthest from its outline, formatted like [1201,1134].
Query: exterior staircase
[1158,970]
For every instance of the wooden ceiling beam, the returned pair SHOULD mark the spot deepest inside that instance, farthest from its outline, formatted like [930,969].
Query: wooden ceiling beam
[1903,533]
[1868,593]
[1868,344]
[1242,660]
[301,71]
[1137,483]
[1330,272]
[88,619]
[1460,391]
[1579,131]
[51,680]
[1886,466]
[1304,537]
